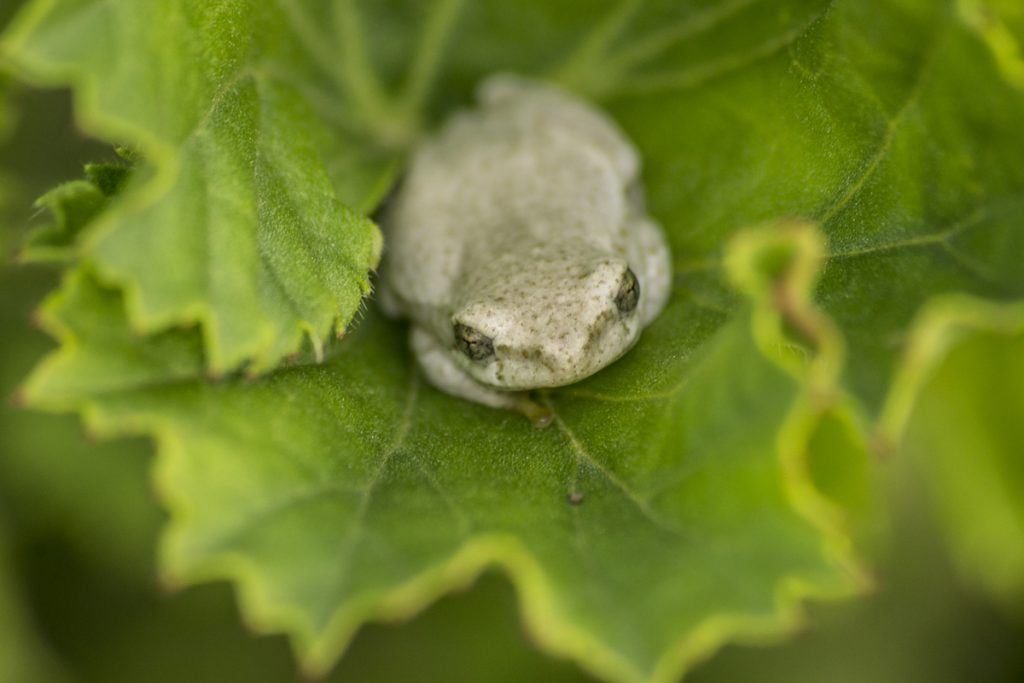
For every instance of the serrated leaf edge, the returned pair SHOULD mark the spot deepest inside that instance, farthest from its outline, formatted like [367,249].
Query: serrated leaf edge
[137,198]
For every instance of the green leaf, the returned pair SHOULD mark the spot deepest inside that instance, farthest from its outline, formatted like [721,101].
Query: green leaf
[1000,23]
[338,492]
[73,206]
[958,405]
[240,226]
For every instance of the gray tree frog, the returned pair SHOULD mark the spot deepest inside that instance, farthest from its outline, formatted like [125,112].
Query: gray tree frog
[519,247]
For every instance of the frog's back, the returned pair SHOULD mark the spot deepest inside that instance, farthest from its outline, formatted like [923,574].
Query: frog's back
[531,164]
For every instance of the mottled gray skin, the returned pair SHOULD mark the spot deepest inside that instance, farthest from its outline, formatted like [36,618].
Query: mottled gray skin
[522,221]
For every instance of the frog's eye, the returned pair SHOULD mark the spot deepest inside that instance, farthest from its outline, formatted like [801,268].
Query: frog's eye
[628,295]
[475,345]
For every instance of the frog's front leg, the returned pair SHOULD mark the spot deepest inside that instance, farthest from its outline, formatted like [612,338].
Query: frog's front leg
[446,375]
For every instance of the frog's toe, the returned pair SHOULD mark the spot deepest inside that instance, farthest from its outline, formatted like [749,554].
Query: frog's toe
[540,416]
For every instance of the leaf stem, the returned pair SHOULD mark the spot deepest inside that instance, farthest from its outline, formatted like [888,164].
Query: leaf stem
[357,74]
[656,43]
[315,43]
[584,64]
[429,52]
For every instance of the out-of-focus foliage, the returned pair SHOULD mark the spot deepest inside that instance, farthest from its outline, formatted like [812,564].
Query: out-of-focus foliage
[965,368]
[23,657]
[920,626]
[722,463]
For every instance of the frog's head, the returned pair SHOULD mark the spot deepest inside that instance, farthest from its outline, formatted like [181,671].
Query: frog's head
[545,319]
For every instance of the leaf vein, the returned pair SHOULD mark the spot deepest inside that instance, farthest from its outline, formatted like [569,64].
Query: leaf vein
[941,237]
[259,516]
[657,42]
[671,392]
[429,52]
[465,526]
[357,525]
[892,127]
[691,77]
[584,457]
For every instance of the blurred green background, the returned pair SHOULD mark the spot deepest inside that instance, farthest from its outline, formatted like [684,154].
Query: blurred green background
[80,598]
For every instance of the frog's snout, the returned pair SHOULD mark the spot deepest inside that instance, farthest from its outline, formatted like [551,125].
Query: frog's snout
[558,364]
[551,324]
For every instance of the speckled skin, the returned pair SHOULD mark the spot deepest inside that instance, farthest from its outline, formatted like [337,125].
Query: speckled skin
[519,221]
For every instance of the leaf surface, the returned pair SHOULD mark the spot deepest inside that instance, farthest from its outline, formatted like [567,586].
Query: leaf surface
[241,226]
[391,492]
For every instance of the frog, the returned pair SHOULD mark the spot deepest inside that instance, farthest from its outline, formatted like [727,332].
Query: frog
[519,246]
